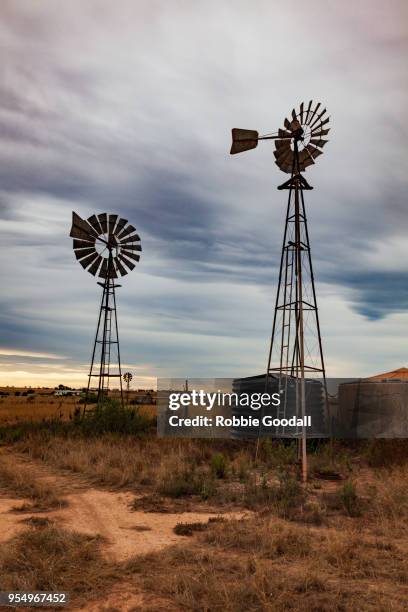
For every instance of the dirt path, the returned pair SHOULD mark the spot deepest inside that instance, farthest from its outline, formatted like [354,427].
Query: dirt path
[92,511]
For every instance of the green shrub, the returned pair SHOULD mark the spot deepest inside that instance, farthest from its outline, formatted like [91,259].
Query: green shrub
[282,498]
[277,453]
[110,417]
[218,465]
[349,498]
[187,481]
[92,398]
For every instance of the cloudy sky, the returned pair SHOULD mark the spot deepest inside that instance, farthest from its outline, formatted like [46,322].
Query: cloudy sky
[126,107]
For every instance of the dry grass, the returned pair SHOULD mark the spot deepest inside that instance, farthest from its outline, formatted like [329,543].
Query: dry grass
[330,546]
[262,536]
[164,464]
[38,407]
[55,560]
[265,564]
[19,482]
[44,405]
[109,459]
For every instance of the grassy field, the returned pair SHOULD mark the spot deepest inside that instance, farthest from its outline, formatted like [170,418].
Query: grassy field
[22,405]
[337,543]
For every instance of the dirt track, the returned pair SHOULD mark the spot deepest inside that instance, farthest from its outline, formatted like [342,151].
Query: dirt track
[92,511]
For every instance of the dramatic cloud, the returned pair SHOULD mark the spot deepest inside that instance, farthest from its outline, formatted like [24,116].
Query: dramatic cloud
[127,108]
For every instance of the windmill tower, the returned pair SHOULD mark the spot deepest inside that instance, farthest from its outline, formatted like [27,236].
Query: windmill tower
[108,246]
[296,345]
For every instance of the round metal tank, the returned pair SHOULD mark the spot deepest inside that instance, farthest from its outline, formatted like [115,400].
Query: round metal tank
[373,409]
[315,407]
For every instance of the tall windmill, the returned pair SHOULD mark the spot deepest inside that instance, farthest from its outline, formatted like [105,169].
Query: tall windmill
[296,344]
[109,246]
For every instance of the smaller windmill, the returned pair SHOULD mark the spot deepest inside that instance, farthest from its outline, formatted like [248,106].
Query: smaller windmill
[127,377]
[109,246]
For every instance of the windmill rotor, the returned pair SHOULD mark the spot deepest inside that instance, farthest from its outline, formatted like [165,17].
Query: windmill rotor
[127,377]
[105,244]
[304,130]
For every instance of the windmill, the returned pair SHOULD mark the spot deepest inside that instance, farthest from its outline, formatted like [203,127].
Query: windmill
[296,345]
[127,377]
[107,246]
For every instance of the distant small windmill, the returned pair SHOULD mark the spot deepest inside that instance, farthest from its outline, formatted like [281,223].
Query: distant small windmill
[296,147]
[127,377]
[109,246]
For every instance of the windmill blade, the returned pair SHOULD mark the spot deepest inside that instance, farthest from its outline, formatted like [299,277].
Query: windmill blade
[130,254]
[126,261]
[93,220]
[313,151]
[309,157]
[286,123]
[103,220]
[284,134]
[80,253]
[83,244]
[77,232]
[285,160]
[317,134]
[287,168]
[294,115]
[243,140]
[111,224]
[305,159]
[125,232]
[317,153]
[321,124]
[284,156]
[295,126]
[318,143]
[95,266]
[308,111]
[303,155]
[81,229]
[104,269]
[119,266]
[308,162]
[120,225]
[282,149]
[318,118]
[282,144]
[112,272]
[313,113]
[132,247]
[134,238]
[88,260]
[301,113]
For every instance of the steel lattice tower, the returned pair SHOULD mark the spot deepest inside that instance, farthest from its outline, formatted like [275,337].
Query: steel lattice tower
[106,339]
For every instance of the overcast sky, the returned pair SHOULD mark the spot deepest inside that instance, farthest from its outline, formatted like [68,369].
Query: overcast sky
[126,107]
